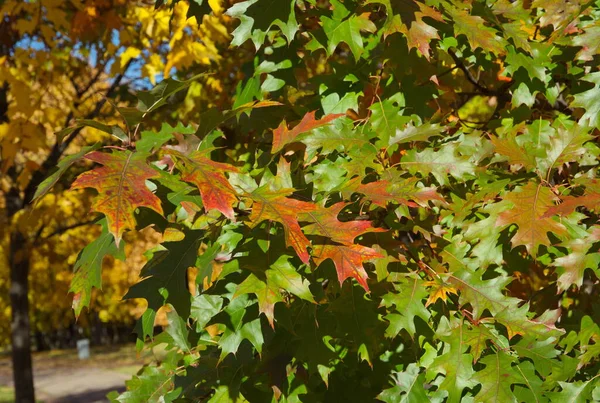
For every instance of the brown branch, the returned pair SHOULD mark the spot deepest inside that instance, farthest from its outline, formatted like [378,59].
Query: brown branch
[62,230]
[459,63]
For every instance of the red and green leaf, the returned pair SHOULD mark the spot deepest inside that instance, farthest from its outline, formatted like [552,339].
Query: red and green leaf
[121,187]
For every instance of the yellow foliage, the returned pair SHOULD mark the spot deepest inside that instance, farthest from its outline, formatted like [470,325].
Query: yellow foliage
[65,56]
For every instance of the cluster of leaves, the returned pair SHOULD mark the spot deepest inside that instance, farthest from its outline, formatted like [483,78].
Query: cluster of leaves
[59,62]
[400,205]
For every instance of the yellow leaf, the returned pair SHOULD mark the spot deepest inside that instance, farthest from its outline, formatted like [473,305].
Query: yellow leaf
[440,290]
[128,54]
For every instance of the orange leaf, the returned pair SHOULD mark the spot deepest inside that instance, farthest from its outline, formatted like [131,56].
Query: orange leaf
[348,260]
[283,136]
[403,192]
[324,222]
[275,206]
[530,205]
[121,188]
[209,177]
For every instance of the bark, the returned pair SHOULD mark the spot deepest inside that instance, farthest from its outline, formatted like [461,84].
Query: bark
[20,326]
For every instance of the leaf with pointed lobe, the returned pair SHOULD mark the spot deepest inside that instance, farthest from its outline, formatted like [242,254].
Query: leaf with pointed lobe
[481,294]
[257,17]
[442,164]
[575,392]
[164,280]
[209,176]
[153,385]
[324,222]
[454,363]
[497,378]
[571,267]
[407,299]
[477,33]
[151,142]
[204,308]
[409,387]
[345,26]
[412,132]
[517,322]
[406,17]
[281,275]
[348,260]
[402,191]
[530,204]
[566,146]
[557,13]
[276,206]
[518,155]
[283,136]
[590,101]
[121,187]
[237,330]
[88,267]
[588,41]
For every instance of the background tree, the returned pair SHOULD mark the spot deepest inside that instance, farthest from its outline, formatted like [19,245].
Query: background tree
[60,62]
[400,204]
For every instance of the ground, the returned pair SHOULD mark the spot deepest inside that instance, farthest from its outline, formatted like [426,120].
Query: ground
[60,376]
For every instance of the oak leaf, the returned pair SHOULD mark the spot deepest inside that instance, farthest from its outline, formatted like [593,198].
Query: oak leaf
[325,222]
[530,203]
[208,175]
[348,260]
[121,187]
[282,135]
[276,206]
[404,191]
[406,17]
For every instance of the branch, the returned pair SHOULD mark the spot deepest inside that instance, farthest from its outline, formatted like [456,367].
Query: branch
[59,148]
[469,76]
[62,230]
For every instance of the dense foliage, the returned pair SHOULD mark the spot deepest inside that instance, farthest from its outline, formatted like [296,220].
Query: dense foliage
[59,62]
[400,204]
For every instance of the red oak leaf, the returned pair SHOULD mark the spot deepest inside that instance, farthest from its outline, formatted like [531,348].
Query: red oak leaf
[324,222]
[121,187]
[275,206]
[348,260]
[216,192]
[282,135]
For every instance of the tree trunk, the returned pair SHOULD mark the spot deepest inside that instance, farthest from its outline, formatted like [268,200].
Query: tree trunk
[20,327]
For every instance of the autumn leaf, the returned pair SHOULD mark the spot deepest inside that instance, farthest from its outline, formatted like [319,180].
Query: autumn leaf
[282,135]
[325,222]
[348,260]
[406,17]
[478,34]
[571,267]
[276,206]
[209,177]
[403,191]
[121,187]
[590,200]
[529,206]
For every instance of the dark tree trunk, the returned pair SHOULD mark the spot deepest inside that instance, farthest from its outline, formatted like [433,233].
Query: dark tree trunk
[20,327]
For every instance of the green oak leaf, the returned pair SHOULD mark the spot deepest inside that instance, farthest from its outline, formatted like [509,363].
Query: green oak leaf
[344,26]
